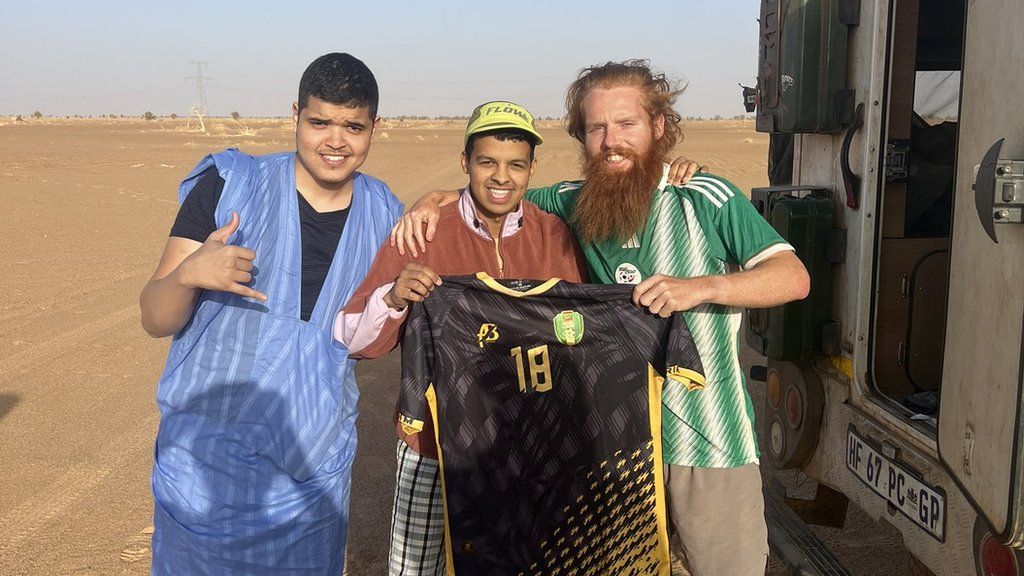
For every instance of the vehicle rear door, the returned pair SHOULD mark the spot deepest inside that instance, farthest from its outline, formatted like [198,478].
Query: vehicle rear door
[980,432]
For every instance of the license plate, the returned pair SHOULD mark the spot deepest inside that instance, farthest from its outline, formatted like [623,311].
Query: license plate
[924,505]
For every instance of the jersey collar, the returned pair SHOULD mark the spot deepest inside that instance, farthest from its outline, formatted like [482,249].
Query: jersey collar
[664,178]
[499,287]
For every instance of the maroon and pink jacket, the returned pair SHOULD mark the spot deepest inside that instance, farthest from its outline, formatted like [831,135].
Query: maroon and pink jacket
[533,245]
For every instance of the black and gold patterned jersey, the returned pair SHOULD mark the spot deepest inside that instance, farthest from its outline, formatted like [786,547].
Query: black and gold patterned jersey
[546,399]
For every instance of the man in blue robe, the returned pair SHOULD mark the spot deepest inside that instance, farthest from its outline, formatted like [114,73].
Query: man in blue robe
[257,433]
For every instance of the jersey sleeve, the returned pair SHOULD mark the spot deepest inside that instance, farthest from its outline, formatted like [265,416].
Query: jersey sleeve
[417,370]
[682,361]
[554,199]
[745,236]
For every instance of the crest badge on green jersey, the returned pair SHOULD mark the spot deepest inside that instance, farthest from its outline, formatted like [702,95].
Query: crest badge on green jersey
[627,273]
[568,327]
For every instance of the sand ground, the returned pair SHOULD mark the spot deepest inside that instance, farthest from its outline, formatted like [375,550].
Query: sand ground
[85,207]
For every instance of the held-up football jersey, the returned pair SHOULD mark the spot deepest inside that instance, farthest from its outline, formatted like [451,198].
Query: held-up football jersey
[547,403]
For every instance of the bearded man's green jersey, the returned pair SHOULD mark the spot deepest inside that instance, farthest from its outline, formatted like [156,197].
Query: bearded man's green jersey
[701,228]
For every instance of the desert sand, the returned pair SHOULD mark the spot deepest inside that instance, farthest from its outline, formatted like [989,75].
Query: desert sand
[85,208]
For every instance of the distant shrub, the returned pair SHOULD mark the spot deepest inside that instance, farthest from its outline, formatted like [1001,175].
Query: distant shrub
[37,114]
[174,116]
[148,116]
[235,116]
[18,118]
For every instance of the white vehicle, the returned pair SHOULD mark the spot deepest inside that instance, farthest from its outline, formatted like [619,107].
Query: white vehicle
[898,173]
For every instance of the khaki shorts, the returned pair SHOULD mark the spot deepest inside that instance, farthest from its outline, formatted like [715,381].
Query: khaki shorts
[719,515]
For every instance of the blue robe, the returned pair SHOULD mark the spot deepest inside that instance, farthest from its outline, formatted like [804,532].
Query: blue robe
[257,407]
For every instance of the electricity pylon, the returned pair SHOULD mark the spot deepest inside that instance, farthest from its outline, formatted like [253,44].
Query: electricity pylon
[197,79]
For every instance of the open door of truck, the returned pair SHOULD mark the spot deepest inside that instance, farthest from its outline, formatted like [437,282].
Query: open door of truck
[980,431]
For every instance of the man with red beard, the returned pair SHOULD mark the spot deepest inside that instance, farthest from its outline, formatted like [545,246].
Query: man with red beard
[700,249]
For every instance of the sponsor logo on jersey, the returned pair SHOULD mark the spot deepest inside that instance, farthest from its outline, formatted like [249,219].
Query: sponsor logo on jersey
[692,380]
[409,424]
[627,273]
[568,327]
[487,334]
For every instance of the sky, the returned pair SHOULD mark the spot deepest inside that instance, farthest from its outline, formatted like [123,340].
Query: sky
[430,58]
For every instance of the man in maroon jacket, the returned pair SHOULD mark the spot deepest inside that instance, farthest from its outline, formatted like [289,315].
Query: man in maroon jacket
[490,229]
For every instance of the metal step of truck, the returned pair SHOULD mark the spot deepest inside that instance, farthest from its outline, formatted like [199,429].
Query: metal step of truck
[792,541]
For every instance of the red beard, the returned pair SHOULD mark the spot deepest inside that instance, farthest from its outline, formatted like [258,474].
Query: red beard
[614,204]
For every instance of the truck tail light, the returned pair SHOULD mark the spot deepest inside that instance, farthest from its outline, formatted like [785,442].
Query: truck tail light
[794,404]
[996,559]
[794,408]
[774,389]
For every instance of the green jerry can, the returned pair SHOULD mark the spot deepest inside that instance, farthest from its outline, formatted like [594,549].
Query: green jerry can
[801,76]
[802,329]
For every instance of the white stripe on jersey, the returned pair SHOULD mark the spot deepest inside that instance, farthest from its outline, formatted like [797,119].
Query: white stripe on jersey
[707,192]
[723,191]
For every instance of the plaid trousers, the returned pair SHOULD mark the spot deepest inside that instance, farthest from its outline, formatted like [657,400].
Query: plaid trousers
[417,520]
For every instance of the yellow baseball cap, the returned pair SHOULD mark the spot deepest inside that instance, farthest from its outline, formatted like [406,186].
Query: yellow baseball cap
[500,114]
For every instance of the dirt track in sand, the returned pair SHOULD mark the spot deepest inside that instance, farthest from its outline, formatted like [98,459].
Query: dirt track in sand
[85,207]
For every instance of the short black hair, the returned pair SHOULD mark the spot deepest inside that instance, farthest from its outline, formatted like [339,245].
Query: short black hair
[339,78]
[503,135]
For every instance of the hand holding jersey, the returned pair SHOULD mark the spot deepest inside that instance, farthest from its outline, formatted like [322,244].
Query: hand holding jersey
[413,284]
[218,266]
[663,295]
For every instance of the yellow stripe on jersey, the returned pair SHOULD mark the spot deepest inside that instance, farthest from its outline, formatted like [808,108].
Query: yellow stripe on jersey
[655,384]
[431,396]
